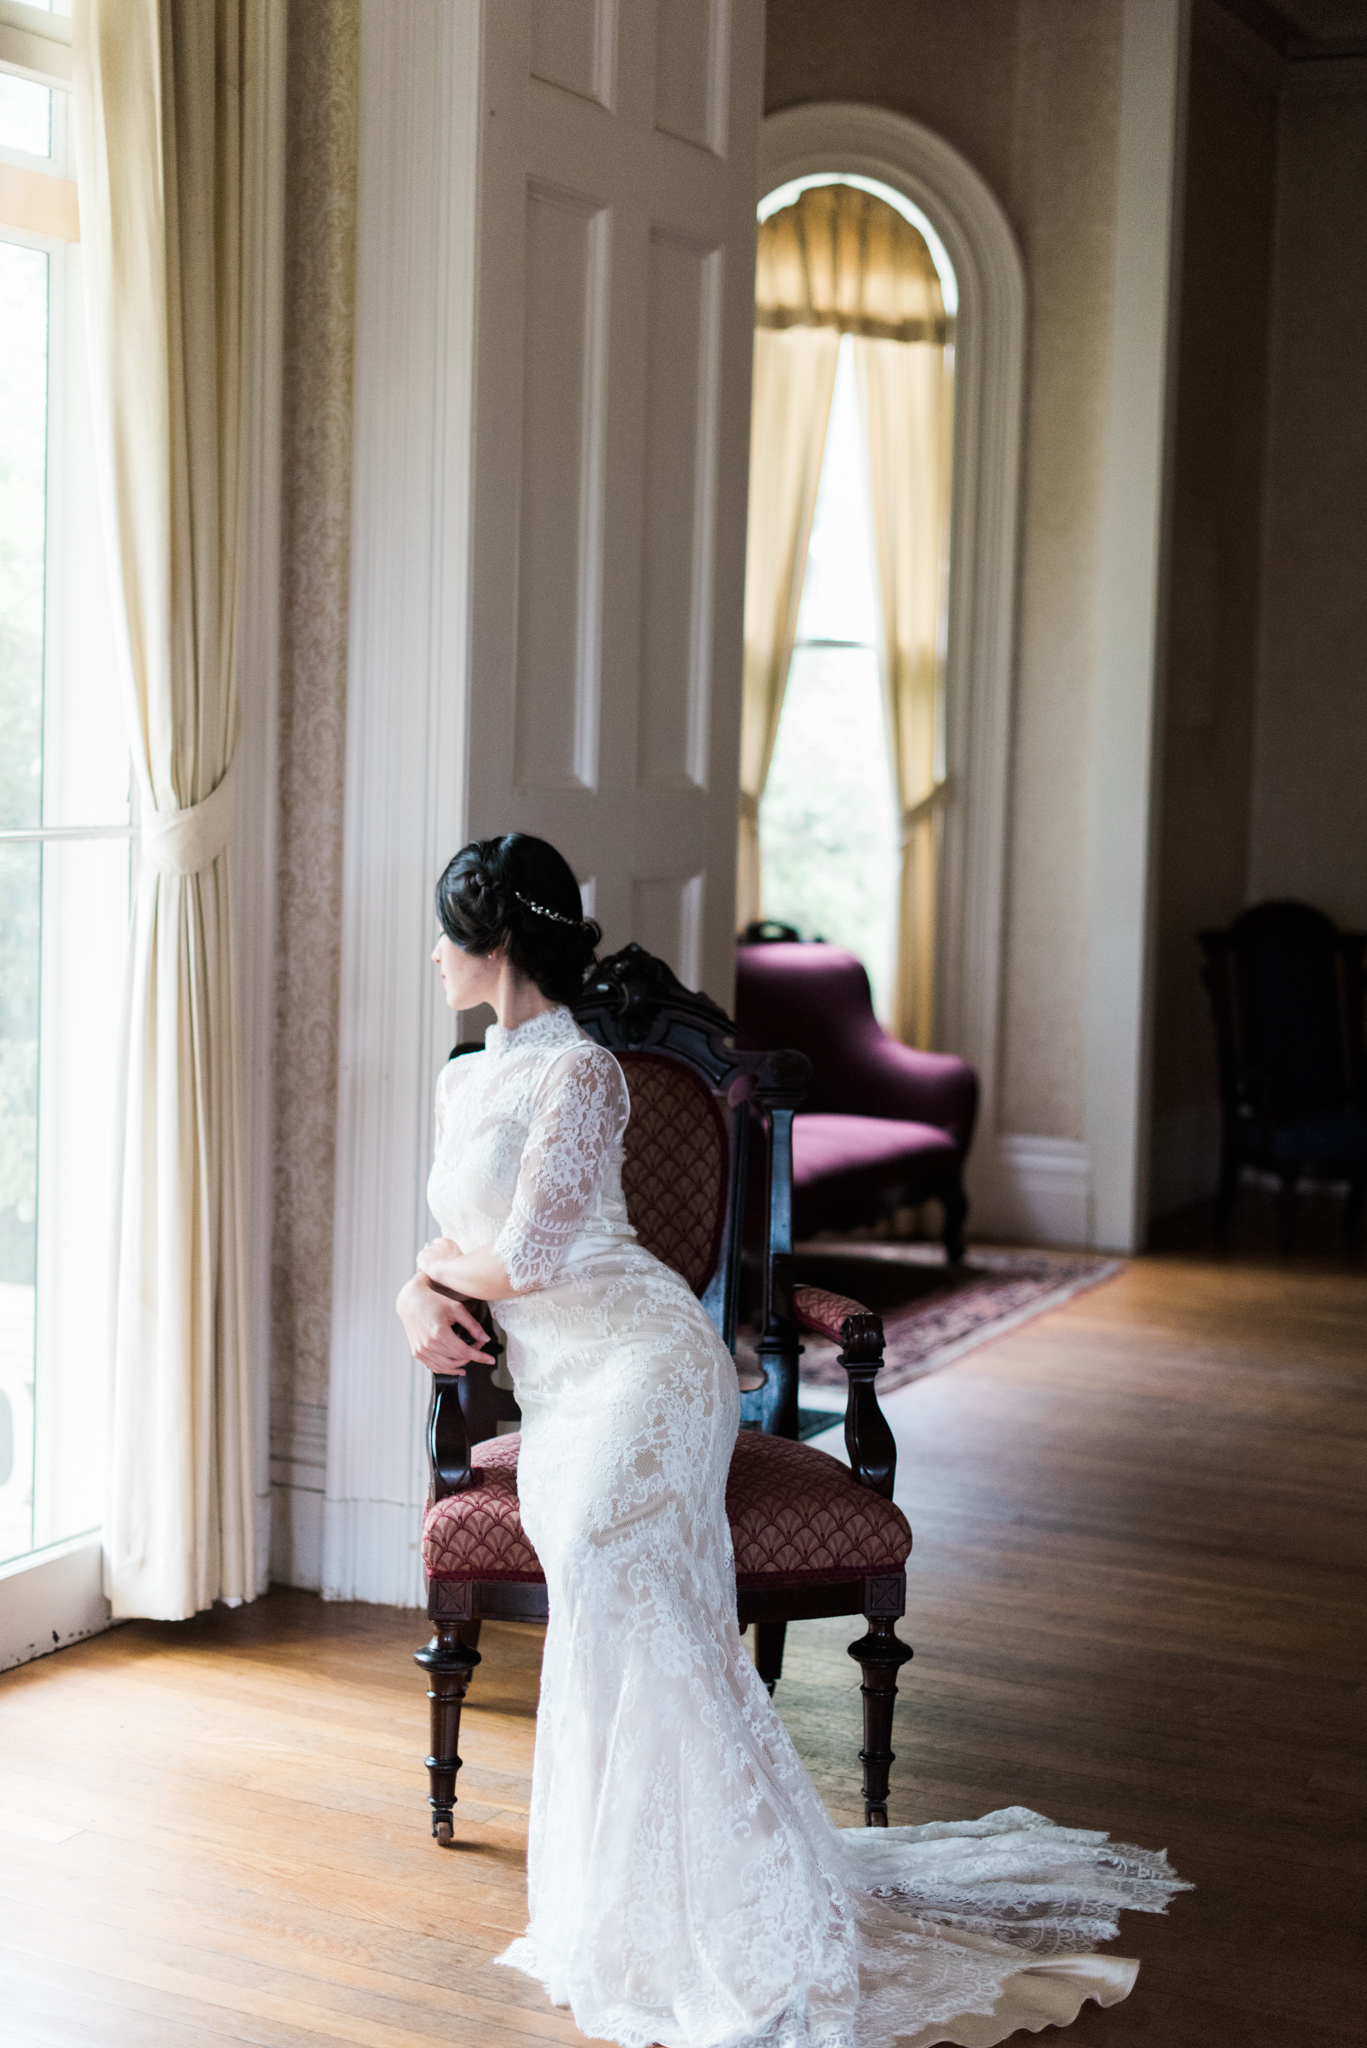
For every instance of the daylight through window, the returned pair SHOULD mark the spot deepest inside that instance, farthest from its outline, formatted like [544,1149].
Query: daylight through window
[828,816]
[64,870]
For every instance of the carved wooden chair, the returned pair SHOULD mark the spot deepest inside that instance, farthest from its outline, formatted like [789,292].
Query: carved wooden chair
[1287,990]
[811,1537]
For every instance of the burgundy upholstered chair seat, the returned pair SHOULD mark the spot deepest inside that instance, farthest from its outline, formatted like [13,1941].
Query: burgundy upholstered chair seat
[851,1157]
[478,1534]
[798,1517]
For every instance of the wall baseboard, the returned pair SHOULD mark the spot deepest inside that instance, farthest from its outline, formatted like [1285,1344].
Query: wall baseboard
[1033,1191]
[299,1443]
[51,1600]
[1184,1157]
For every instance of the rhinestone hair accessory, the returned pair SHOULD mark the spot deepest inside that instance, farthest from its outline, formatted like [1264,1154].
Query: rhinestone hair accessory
[541,911]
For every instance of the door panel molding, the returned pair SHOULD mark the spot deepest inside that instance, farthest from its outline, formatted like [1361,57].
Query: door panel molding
[692,46]
[559,567]
[682,401]
[679,317]
[574,45]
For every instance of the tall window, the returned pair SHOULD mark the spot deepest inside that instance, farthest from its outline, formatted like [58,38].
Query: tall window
[843,783]
[828,816]
[64,855]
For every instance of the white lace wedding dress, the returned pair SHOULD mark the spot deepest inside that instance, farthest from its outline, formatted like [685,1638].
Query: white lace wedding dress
[685,1884]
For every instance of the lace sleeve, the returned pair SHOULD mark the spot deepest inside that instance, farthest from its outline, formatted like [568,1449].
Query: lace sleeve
[580,1117]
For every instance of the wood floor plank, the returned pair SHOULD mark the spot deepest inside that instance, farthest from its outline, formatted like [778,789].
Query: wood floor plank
[1136,1601]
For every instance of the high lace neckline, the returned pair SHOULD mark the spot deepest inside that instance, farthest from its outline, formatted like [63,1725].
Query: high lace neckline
[549,1028]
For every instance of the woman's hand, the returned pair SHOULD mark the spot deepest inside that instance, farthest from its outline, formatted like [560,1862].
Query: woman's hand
[433,1323]
[436,1253]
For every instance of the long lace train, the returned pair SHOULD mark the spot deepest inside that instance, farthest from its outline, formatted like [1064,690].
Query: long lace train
[685,1884]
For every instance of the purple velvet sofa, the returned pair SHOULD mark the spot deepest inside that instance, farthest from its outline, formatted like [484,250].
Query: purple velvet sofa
[882,1123]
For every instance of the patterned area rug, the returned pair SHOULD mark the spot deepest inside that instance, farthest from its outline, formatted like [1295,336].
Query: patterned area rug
[933,1313]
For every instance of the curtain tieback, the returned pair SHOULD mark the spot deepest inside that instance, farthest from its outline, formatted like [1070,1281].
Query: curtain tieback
[915,813]
[748,806]
[183,842]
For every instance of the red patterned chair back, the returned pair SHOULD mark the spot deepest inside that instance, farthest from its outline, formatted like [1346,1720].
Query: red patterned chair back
[696,1101]
[675,1172]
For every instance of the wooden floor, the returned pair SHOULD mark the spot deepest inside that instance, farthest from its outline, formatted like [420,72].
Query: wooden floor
[1134,1606]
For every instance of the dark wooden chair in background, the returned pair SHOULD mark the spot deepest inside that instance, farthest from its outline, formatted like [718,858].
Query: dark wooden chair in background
[1286,986]
[811,1537]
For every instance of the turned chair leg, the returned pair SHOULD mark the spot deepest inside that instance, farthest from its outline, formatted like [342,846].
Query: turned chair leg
[450,1665]
[880,1655]
[769,1637]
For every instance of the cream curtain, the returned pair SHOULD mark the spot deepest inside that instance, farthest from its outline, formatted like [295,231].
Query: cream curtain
[160,87]
[794,379]
[842,261]
[907,398]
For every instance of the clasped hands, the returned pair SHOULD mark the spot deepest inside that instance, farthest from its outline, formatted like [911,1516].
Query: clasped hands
[434,1317]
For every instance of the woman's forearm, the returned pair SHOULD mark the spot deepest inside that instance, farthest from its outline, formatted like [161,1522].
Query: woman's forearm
[482,1274]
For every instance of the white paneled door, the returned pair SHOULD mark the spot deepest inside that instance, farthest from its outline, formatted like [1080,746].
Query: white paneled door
[554,320]
[615,289]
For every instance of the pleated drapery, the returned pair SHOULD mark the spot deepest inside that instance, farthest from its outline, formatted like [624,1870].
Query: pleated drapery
[907,400]
[160,91]
[843,258]
[841,261]
[794,380]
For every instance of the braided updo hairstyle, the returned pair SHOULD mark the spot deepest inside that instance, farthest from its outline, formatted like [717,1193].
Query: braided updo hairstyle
[518,893]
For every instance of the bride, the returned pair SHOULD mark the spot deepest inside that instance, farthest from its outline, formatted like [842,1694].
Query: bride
[685,1885]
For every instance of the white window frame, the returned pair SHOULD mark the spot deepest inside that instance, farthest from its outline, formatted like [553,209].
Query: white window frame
[55,1595]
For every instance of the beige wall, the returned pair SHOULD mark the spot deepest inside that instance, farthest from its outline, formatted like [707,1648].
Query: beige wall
[1309,821]
[1028,91]
[320,268]
[1217,493]
[1265,751]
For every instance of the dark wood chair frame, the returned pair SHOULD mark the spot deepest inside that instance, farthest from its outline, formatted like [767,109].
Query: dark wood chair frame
[635,1004]
[1249,1111]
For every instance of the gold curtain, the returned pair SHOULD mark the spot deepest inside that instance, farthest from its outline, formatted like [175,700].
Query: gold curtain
[794,379]
[842,261]
[161,92]
[907,399]
[842,258]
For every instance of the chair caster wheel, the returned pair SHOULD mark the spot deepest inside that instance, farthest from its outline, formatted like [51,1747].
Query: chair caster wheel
[445,1834]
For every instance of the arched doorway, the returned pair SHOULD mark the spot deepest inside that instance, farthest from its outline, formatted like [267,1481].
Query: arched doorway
[848,577]
[859,143]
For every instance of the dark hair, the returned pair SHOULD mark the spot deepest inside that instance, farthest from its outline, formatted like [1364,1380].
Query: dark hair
[519,893]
